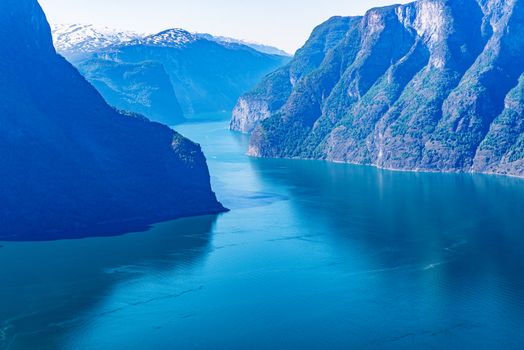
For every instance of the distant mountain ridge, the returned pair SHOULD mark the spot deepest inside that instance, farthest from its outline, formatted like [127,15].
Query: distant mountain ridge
[270,50]
[172,38]
[76,41]
[143,87]
[434,85]
[131,70]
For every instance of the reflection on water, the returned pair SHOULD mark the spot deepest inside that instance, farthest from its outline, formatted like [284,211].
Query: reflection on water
[312,256]
[470,227]
[48,289]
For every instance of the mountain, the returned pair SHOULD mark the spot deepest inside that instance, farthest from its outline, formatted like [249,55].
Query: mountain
[78,41]
[143,88]
[434,85]
[70,165]
[206,74]
[172,38]
[270,50]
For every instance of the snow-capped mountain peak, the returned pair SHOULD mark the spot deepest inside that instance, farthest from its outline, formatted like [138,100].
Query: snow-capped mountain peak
[270,50]
[78,41]
[175,37]
[87,38]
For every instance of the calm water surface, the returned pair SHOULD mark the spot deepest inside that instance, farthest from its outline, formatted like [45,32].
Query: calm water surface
[312,256]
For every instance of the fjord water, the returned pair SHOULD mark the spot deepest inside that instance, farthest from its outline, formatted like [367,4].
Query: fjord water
[312,256]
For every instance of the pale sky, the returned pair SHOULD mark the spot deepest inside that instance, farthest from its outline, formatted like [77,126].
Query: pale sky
[285,24]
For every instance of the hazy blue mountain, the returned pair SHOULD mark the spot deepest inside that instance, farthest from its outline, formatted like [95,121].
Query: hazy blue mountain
[72,166]
[143,88]
[433,85]
[207,74]
[271,50]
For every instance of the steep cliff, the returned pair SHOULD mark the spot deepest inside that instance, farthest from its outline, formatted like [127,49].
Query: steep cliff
[434,85]
[70,165]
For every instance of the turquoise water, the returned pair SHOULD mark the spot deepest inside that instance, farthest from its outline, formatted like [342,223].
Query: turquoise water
[312,256]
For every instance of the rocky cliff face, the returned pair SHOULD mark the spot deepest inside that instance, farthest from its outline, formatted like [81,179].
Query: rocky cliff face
[70,165]
[434,85]
[273,92]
